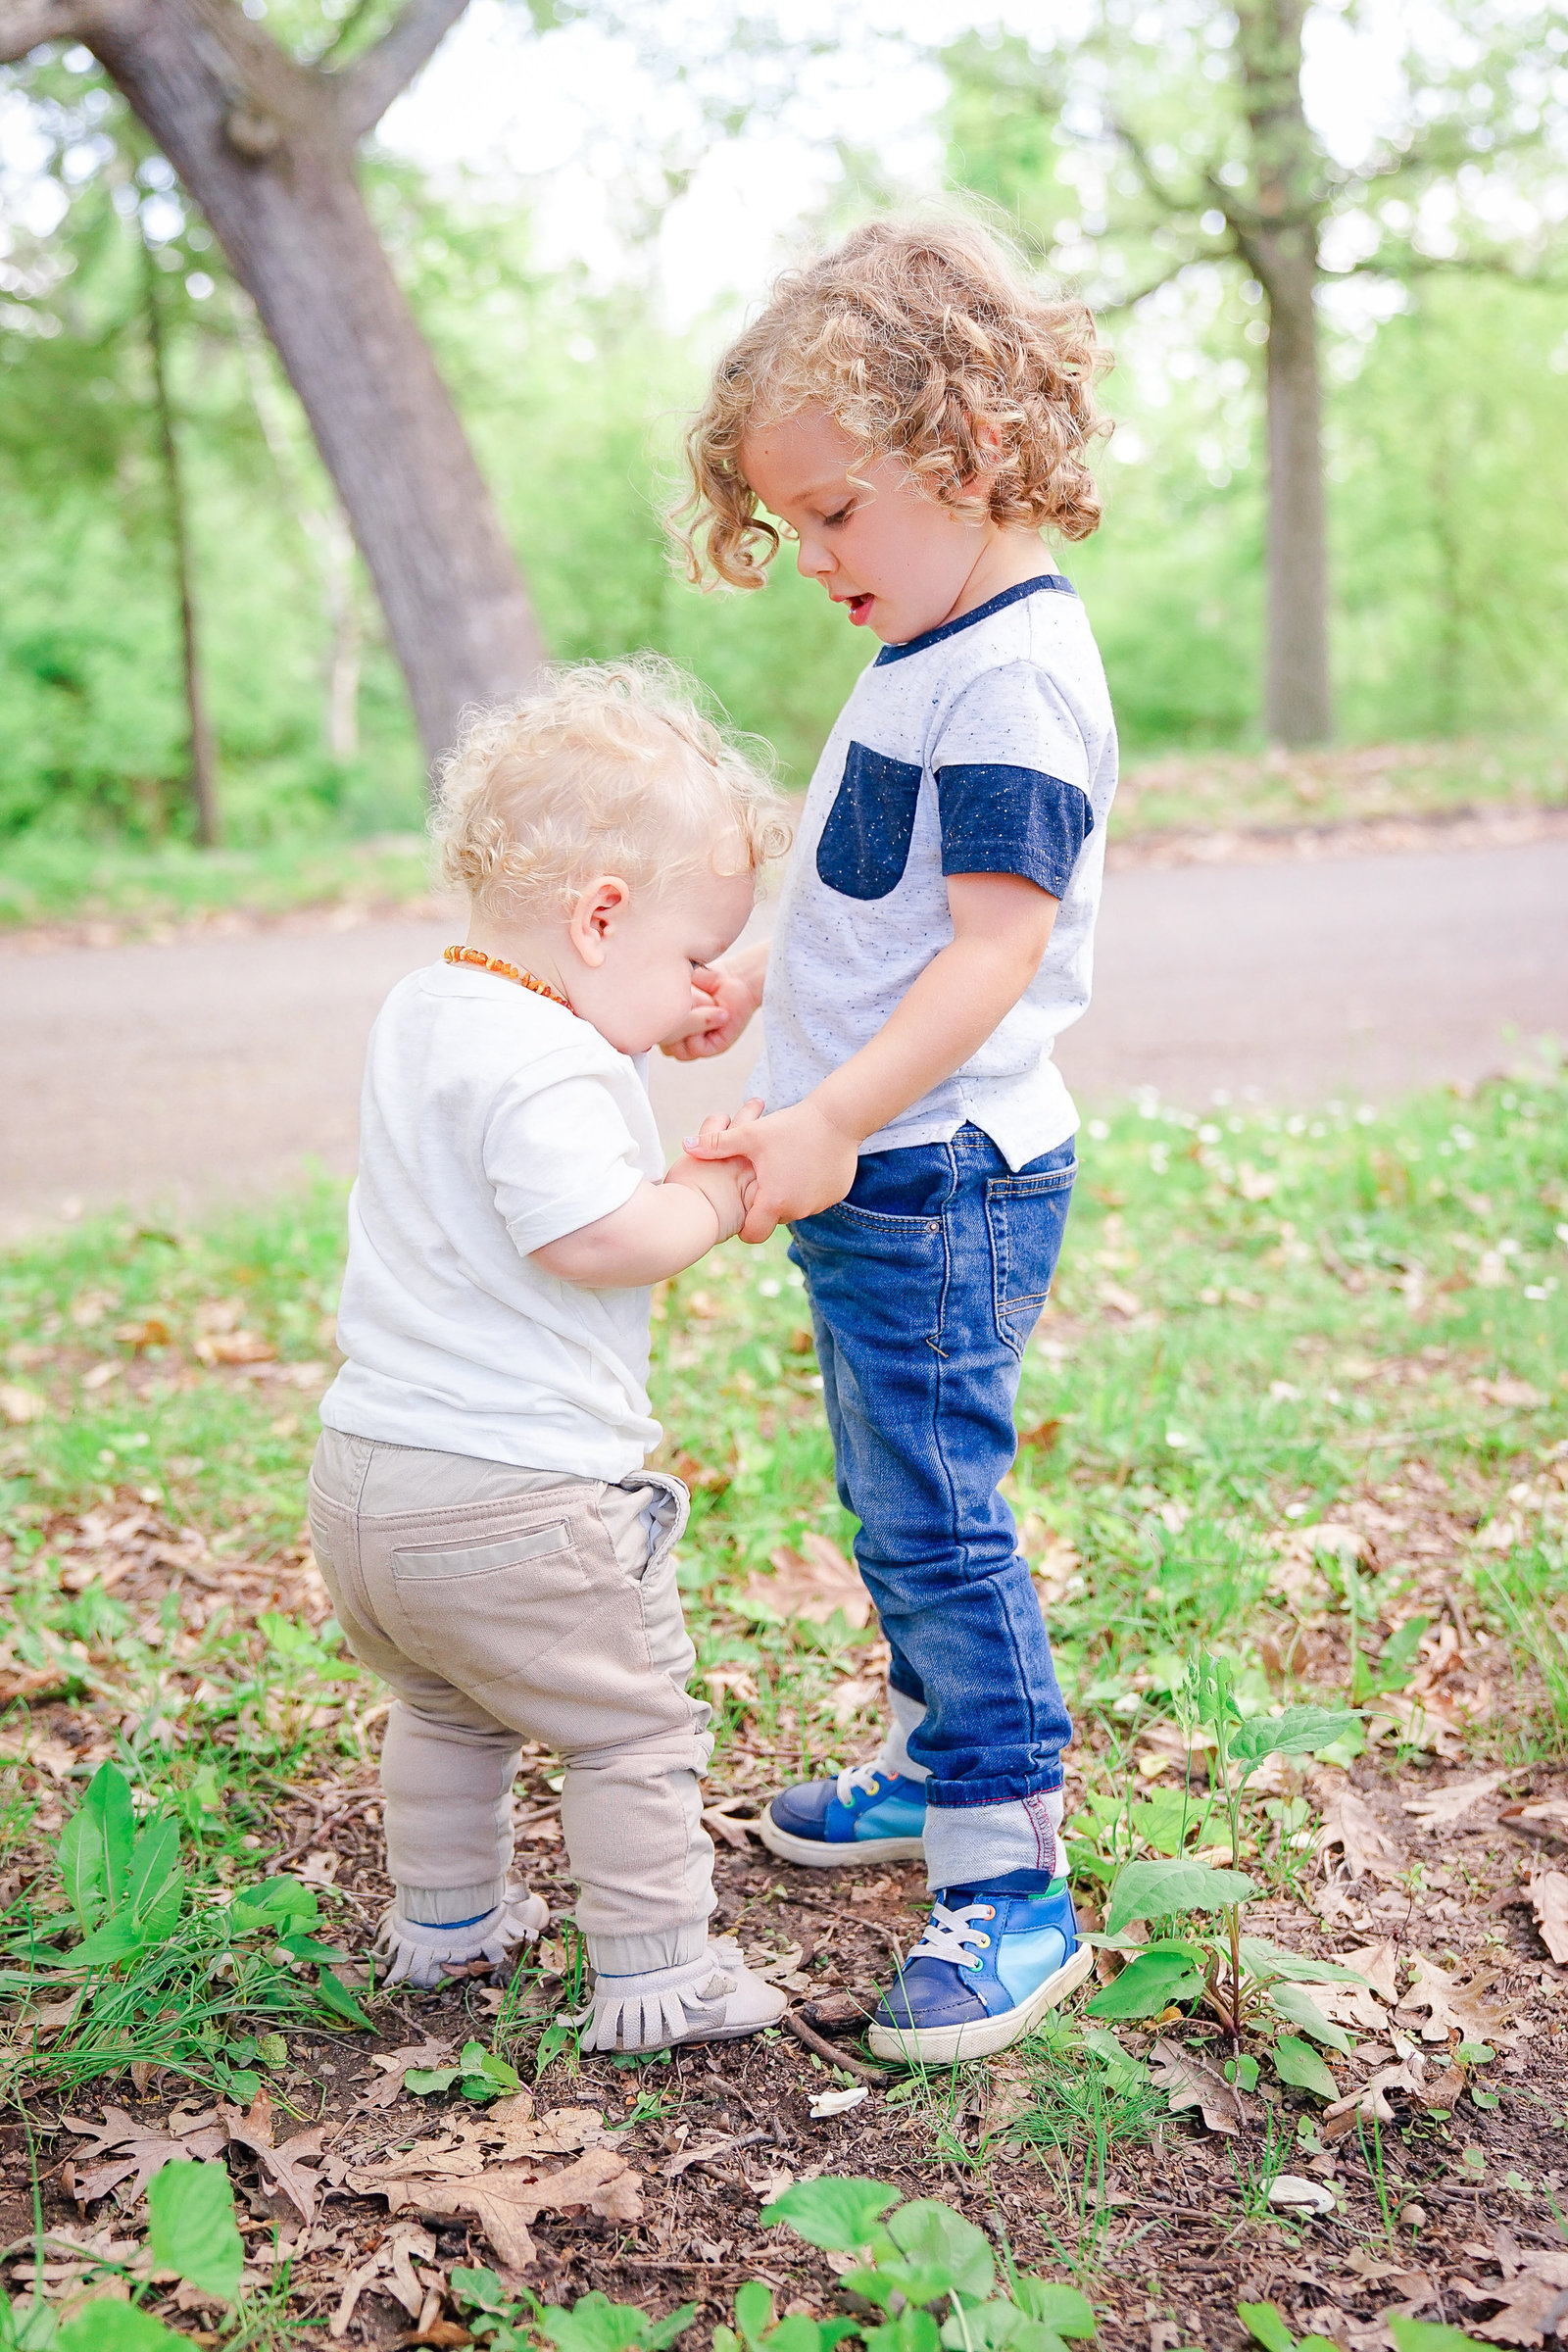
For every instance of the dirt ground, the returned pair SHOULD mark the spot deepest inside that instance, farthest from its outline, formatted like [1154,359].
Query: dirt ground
[1161,2230]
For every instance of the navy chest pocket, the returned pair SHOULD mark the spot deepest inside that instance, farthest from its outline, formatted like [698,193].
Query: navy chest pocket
[866,843]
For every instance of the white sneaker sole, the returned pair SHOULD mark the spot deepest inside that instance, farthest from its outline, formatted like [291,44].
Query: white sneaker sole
[815,1853]
[981,2036]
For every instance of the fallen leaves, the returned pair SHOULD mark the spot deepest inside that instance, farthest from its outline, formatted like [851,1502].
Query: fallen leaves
[1441,1808]
[1190,2080]
[1452,2006]
[1532,2292]
[504,2198]
[1548,1900]
[135,2152]
[811,1583]
[1350,1823]
[21,1405]
[288,2170]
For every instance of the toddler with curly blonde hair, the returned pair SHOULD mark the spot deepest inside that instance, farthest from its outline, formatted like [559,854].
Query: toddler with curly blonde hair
[912,411]
[494,1545]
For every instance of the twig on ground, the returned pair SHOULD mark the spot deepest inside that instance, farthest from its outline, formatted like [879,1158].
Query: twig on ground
[327,1821]
[834,2056]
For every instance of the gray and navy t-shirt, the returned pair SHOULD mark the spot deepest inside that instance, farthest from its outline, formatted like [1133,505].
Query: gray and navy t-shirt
[985,747]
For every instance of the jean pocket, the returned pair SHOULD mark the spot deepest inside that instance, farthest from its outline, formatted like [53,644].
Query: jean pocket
[1025,1218]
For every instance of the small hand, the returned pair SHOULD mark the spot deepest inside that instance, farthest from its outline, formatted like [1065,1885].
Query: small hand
[722,1005]
[803,1162]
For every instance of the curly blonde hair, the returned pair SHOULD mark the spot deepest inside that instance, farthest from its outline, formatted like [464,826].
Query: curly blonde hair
[613,767]
[924,340]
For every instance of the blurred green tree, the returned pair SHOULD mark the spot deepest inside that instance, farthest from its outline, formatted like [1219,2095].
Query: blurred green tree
[1180,129]
[264,133]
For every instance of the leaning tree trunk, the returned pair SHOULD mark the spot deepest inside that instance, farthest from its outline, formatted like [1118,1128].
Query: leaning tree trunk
[1277,232]
[266,148]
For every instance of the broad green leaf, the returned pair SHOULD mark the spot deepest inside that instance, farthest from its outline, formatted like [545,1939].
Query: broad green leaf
[480,2290]
[1299,1731]
[1428,2335]
[95,1847]
[997,2328]
[753,2307]
[337,1997]
[596,2325]
[910,2331]
[115,1940]
[243,2084]
[307,1948]
[1397,1656]
[1146,1986]
[837,2215]
[1265,2324]
[933,2238]
[154,1866]
[798,2333]
[1298,2063]
[190,2208]
[273,1904]
[426,2080]
[1123,2072]
[1056,2306]
[106,2327]
[1159,1889]
[1266,1959]
[1293,2003]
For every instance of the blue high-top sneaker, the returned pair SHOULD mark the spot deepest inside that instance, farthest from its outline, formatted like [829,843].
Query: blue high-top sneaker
[992,1960]
[867,1814]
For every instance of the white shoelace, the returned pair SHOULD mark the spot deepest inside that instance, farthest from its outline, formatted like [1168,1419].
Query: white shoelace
[861,1779]
[950,1934]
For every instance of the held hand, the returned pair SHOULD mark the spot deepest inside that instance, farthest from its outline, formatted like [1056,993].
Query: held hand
[722,1005]
[803,1162]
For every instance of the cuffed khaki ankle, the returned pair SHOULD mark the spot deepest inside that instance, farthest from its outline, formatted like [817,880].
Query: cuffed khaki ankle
[501,1604]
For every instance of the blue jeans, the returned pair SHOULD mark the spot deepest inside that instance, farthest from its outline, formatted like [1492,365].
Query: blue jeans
[925,1283]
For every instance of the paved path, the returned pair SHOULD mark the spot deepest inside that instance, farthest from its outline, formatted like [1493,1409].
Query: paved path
[167,1075]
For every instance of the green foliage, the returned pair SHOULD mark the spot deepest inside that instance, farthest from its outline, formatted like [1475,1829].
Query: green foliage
[192,2230]
[838,2214]
[1162,1890]
[1296,2062]
[482,2074]
[126,1889]
[1265,2324]
[1151,1980]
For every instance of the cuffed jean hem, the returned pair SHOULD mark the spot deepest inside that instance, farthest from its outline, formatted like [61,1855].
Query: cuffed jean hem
[957,1797]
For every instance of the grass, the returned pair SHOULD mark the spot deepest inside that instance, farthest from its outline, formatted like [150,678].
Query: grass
[119,889]
[1348,785]
[122,890]
[1261,1324]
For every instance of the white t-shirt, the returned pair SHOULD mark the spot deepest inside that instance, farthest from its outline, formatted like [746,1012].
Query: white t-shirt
[492,1122]
[986,746]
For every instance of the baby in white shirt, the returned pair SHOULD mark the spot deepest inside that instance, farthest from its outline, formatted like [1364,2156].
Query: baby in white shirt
[494,1547]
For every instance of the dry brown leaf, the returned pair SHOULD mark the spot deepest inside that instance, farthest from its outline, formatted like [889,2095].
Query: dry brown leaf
[737,1834]
[1533,2297]
[133,2152]
[235,1348]
[1192,2081]
[1548,1900]
[561,2132]
[1539,1808]
[1450,2004]
[22,1405]
[1350,2005]
[394,2065]
[288,2170]
[847,1700]
[1350,1823]
[508,2197]
[1438,1808]
[1379,1963]
[812,1582]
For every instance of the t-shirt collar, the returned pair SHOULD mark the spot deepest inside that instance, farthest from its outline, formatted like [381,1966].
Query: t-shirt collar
[967,620]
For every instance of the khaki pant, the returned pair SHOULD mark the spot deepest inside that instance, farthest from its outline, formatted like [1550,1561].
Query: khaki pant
[503,1604]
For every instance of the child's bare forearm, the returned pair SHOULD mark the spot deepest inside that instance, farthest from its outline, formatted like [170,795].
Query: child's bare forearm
[661,1230]
[946,1015]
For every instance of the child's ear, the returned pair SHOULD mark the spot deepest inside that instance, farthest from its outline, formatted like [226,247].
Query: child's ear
[597,907]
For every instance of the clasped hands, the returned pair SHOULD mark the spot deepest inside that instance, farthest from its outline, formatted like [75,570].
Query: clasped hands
[787,1164]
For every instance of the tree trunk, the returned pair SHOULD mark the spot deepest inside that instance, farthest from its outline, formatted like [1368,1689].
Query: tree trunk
[1298,707]
[266,148]
[1277,232]
[202,756]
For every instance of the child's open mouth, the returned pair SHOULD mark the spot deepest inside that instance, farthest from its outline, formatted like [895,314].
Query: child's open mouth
[861,609]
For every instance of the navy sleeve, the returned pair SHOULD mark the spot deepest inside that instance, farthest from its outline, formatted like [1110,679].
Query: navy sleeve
[1012,820]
